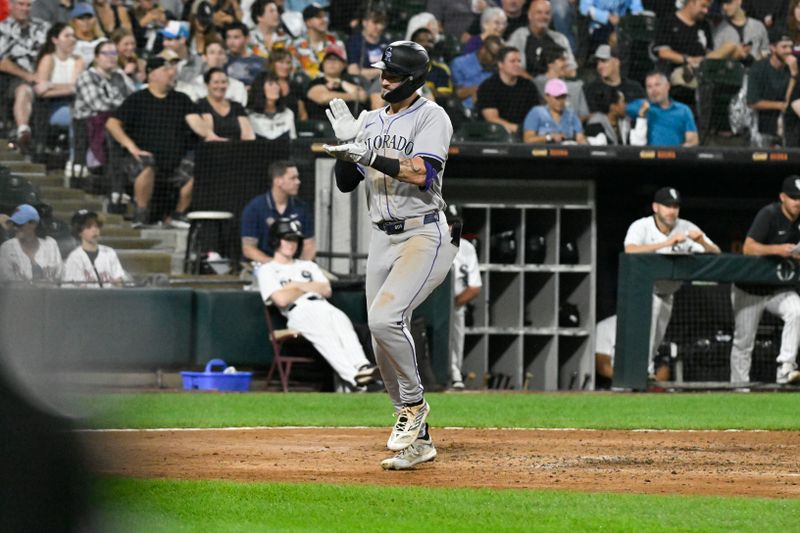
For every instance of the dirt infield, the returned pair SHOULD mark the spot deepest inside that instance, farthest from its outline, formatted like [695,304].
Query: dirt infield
[702,462]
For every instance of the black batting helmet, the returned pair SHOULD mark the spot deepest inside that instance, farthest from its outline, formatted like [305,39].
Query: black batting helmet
[285,228]
[409,60]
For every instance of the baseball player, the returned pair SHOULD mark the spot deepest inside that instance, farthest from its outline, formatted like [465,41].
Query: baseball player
[665,233]
[400,152]
[299,289]
[775,231]
[466,287]
[91,265]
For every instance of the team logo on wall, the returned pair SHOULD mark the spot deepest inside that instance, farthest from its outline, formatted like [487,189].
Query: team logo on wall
[786,270]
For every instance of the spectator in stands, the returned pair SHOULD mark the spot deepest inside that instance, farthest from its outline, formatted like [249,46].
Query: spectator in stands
[227,119]
[29,257]
[439,79]
[608,75]
[148,18]
[279,202]
[516,17]
[292,92]
[611,126]
[87,31]
[98,92]
[91,264]
[300,290]
[57,71]
[21,38]
[423,20]
[564,15]
[556,59]
[683,40]
[769,86]
[774,232]
[792,23]
[225,13]
[531,40]
[130,63]
[669,123]
[111,15]
[506,97]
[155,126]
[242,64]
[365,48]
[769,11]
[269,116]
[553,122]
[455,16]
[268,32]
[470,70]
[737,27]
[203,30]
[604,17]
[175,37]
[52,11]
[493,22]
[214,57]
[665,233]
[331,85]
[309,50]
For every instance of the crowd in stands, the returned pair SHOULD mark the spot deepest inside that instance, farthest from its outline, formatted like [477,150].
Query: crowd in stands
[136,84]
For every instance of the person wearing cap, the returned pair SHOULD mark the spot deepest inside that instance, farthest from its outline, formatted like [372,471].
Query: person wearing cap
[775,231]
[175,37]
[665,233]
[608,75]
[555,58]
[91,265]
[770,84]
[155,126]
[309,49]
[531,40]
[669,123]
[553,122]
[28,257]
[366,47]
[87,32]
[330,85]
[470,70]
[604,17]
[506,97]
[738,28]
[242,65]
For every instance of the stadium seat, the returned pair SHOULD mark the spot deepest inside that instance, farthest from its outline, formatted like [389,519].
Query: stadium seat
[455,110]
[487,132]
[314,129]
[277,338]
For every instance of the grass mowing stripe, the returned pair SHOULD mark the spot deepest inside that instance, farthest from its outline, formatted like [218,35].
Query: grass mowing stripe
[769,411]
[177,506]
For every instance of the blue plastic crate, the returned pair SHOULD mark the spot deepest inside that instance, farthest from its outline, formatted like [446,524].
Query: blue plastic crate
[219,381]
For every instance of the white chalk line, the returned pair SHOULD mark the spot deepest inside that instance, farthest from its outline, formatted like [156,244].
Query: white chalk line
[280,428]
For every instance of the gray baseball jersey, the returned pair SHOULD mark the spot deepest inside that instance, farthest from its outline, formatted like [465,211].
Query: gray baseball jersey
[424,130]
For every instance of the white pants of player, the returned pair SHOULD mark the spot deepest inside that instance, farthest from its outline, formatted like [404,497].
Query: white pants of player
[332,334]
[402,271]
[457,329]
[661,313]
[747,311]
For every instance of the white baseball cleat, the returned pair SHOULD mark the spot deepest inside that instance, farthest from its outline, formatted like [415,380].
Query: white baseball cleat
[787,373]
[420,451]
[367,374]
[409,423]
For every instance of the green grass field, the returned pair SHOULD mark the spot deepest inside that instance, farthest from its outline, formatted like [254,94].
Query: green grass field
[159,505]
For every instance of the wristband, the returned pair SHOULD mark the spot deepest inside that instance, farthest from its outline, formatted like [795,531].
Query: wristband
[387,165]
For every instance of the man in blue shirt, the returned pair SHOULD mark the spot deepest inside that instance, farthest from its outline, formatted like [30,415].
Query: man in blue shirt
[669,123]
[470,70]
[554,122]
[280,201]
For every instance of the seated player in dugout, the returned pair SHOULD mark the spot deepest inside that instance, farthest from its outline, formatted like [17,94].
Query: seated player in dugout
[300,290]
[605,342]
[280,201]
[665,233]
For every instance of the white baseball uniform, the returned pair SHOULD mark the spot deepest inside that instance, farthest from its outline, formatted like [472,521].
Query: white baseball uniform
[645,231]
[325,326]
[605,337]
[465,274]
[79,271]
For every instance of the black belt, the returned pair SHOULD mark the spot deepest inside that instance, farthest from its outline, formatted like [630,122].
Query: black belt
[393,227]
[294,304]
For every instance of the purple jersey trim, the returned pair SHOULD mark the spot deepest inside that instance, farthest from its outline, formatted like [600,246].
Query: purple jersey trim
[430,175]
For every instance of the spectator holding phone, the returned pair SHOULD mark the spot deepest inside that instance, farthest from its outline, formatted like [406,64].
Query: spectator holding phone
[738,28]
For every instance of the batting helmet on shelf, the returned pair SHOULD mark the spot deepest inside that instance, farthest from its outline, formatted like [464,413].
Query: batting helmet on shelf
[569,253]
[503,247]
[535,249]
[408,60]
[285,228]
[569,316]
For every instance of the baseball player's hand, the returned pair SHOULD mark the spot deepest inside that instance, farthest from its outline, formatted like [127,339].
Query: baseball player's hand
[678,237]
[354,152]
[695,235]
[344,125]
[785,250]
